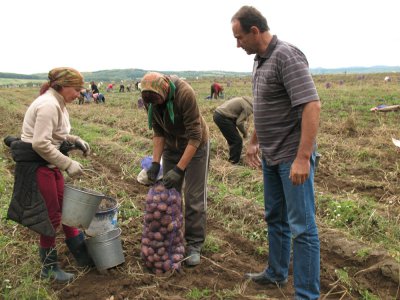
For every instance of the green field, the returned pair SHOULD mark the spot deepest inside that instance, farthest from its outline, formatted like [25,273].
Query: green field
[357,194]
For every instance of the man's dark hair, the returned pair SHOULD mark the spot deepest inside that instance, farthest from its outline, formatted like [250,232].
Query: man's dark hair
[249,16]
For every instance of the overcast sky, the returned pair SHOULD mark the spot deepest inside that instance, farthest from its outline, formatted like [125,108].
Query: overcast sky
[182,35]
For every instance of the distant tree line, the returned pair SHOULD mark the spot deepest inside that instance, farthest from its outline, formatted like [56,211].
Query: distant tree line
[136,74]
[19,76]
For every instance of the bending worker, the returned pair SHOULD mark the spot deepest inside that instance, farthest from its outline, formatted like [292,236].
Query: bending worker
[231,116]
[216,90]
[181,138]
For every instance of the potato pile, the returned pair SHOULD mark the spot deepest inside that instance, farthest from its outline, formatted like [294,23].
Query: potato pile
[162,238]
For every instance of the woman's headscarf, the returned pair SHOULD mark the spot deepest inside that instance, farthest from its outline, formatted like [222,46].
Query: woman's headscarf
[160,84]
[66,77]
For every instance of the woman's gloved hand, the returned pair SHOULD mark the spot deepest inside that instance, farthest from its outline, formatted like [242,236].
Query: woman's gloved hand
[82,145]
[152,172]
[173,178]
[74,169]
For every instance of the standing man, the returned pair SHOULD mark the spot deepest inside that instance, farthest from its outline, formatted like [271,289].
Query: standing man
[286,119]
[231,116]
[181,137]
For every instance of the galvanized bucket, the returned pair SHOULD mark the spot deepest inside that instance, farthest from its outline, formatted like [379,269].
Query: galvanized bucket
[79,206]
[105,218]
[106,249]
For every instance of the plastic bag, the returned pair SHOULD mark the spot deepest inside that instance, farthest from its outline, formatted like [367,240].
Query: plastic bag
[162,244]
[145,164]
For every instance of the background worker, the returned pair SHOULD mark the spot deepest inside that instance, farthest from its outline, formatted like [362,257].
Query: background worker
[231,116]
[39,183]
[216,90]
[181,138]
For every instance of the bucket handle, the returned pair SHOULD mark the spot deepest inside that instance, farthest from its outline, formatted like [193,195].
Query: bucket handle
[120,231]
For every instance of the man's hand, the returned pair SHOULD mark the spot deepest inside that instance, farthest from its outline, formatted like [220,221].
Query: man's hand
[152,172]
[173,178]
[252,158]
[82,145]
[299,171]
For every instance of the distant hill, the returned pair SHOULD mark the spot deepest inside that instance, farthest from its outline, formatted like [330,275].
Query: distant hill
[136,74]
[357,70]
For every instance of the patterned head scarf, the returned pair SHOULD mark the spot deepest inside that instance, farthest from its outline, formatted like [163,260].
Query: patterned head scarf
[66,77]
[155,82]
[161,85]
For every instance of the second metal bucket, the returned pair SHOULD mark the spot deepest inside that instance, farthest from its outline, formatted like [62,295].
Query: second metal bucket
[79,206]
[106,249]
[105,218]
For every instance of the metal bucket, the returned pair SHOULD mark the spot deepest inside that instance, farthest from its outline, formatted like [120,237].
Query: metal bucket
[106,249]
[79,206]
[105,218]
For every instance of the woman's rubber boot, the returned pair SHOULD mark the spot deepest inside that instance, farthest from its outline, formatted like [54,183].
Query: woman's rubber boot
[78,248]
[50,268]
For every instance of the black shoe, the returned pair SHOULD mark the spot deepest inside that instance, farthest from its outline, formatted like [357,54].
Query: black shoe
[77,247]
[50,268]
[261,278]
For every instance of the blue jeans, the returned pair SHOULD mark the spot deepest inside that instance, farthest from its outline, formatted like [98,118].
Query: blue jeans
[290,215]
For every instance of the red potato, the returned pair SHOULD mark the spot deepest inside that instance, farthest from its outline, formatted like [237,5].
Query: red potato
[150,235]
[162,207]
[158,264]
[157,215]
[166,219]
[163,230]
[146,241]
[171,226]
[161,251]
[165,257]
[158,236]
[148,217]
[156,257]
[167,265]
[151,251]
[149,198]
[159,188]
[176,257]
[145,250]
[177,240]
[169,210]
[156,198]
[164,196]
[154,226]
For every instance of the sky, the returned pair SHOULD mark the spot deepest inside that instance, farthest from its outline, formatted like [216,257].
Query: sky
[187,35]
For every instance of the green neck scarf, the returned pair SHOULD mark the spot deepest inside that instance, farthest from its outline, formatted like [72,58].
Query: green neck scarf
[169,104]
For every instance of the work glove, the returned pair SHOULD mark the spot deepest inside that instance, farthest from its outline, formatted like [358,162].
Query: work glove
[74,169]
[152,172]
[82,145]
[173,178]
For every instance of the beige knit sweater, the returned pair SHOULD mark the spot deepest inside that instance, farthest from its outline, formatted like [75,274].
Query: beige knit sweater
[46,125]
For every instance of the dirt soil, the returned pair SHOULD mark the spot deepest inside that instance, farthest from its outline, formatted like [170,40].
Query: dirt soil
[377,273]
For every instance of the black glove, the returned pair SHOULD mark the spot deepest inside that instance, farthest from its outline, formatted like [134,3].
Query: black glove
[173,178]
[152,172]
[82,145]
